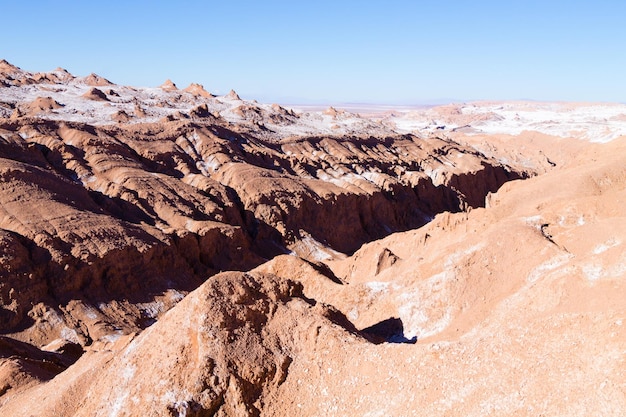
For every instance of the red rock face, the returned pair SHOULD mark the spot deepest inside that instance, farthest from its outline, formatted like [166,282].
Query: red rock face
[117,203]
[120,212]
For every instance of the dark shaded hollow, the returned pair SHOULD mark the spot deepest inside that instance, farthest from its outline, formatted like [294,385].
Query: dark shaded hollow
[390,330]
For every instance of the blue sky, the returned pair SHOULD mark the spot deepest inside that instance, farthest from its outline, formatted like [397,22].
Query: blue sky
[386,52]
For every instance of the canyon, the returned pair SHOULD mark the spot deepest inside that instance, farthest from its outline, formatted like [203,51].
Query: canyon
[173,252]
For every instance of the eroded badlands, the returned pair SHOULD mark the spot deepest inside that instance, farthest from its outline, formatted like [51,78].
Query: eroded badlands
[167,251]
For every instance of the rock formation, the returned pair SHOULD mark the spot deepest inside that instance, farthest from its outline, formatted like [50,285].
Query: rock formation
[96,94]
[168,85]
[378,265]
[197,90]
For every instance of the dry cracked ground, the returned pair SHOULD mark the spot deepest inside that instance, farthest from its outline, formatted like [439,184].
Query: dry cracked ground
[169,252]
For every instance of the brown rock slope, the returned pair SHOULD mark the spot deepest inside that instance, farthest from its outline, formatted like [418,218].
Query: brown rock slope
[518,309]
[223,350]
[117,202]
[117,218]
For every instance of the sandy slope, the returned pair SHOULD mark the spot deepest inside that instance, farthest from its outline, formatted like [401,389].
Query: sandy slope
[518,308]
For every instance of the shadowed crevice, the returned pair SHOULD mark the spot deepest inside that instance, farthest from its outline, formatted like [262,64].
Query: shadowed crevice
[390,330]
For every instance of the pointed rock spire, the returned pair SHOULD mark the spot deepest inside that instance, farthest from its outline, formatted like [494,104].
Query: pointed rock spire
[233,95]
[7,66]
[197,90]
[168,85]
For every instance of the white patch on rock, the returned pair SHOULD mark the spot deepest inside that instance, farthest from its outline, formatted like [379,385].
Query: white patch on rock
[548,267]
[113,337]
[122,393]
[310,249]
[423,311]
[376,287]
[593,272]
[70,335]
[603,247]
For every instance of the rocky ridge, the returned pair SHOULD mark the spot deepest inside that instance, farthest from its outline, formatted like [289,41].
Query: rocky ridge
[526,325]
[123,216]
[119,201]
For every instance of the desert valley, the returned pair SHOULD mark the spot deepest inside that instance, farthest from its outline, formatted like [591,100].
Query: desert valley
[166,251]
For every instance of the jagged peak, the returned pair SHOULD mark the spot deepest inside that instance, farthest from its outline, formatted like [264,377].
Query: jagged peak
[60,69]
[331,111]
[96,80]
[197,90]
[233,95]
[7,66]
[280,109]
[168,85]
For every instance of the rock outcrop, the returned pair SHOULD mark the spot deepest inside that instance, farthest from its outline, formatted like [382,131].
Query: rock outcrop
[467,315]
[107,211]
[223,350]
[96,94]
[198,90]
[513,309]
[168,85]
[377,265]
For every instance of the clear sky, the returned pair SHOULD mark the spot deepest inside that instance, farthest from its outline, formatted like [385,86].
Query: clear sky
[385,52]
